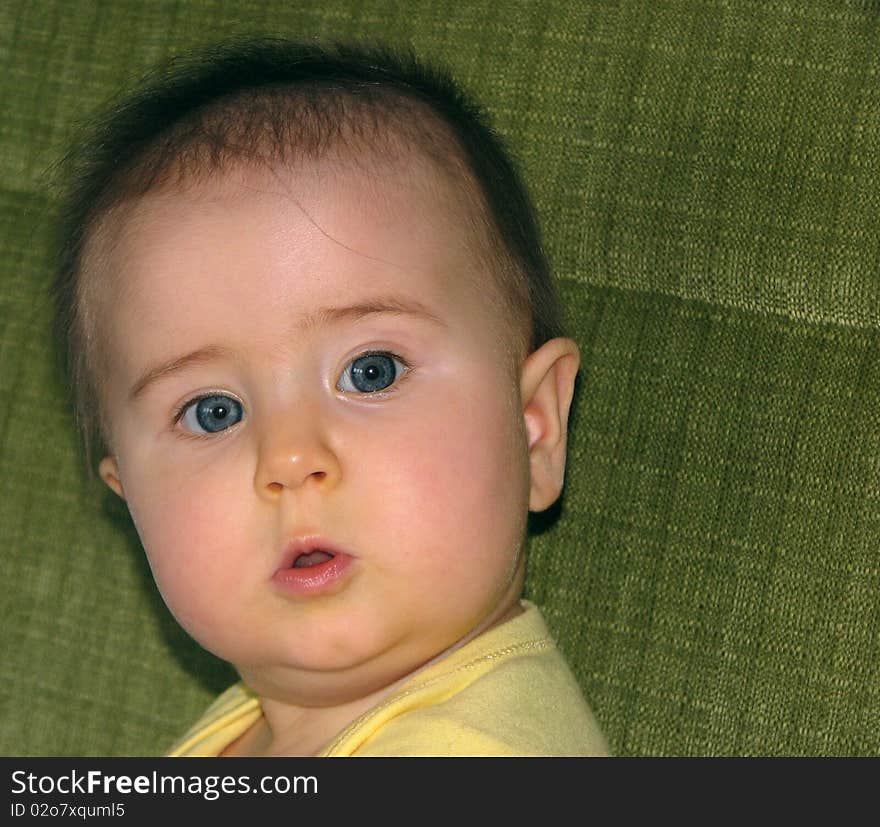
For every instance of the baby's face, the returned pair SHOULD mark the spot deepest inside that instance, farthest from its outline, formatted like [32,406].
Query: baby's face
[410,463]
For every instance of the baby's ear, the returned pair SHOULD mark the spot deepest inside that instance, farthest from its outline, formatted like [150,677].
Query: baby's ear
[547,387]
[109,472]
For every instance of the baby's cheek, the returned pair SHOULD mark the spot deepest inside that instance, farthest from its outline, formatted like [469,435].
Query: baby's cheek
[187,543]
[468,472]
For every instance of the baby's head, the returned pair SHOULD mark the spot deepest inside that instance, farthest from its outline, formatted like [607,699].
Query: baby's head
[312,333]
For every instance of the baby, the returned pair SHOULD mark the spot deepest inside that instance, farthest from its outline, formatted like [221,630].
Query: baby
[312,335]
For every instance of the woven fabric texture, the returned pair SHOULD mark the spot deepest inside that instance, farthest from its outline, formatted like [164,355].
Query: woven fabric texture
[706,174]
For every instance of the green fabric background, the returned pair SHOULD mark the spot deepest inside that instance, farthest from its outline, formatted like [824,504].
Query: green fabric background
[706,173]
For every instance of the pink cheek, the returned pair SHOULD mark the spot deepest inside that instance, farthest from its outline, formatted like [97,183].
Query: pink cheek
[187,540]
[449,467]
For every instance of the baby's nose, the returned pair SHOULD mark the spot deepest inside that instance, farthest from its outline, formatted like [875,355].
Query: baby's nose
[316,476]
[295,455]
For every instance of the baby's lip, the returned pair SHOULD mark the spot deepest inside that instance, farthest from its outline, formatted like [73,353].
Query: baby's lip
[306,545]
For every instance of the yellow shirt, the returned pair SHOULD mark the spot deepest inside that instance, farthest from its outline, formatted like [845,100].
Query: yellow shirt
[508,692]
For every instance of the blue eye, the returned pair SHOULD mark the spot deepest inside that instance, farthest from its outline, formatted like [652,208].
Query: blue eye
[371,372]
[212,414]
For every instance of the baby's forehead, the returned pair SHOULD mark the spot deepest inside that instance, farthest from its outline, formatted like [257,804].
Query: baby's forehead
[401,210]
[399,185]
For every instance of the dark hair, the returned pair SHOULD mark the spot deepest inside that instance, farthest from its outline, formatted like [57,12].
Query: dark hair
[271,100]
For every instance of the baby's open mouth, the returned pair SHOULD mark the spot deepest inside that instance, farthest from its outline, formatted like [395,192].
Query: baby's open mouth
[314,558]
[311,565]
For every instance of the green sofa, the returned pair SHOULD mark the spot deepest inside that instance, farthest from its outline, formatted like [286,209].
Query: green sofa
[707,176]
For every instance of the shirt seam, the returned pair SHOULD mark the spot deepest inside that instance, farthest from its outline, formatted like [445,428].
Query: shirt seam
[538,644]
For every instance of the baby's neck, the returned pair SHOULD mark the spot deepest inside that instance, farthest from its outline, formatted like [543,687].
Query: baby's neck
[297,731]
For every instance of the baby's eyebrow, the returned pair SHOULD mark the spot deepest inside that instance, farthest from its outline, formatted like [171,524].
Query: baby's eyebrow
[322,317]
[384,304]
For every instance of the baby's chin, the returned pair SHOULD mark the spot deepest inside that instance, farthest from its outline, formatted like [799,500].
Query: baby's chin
[331,676]
[328,687]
